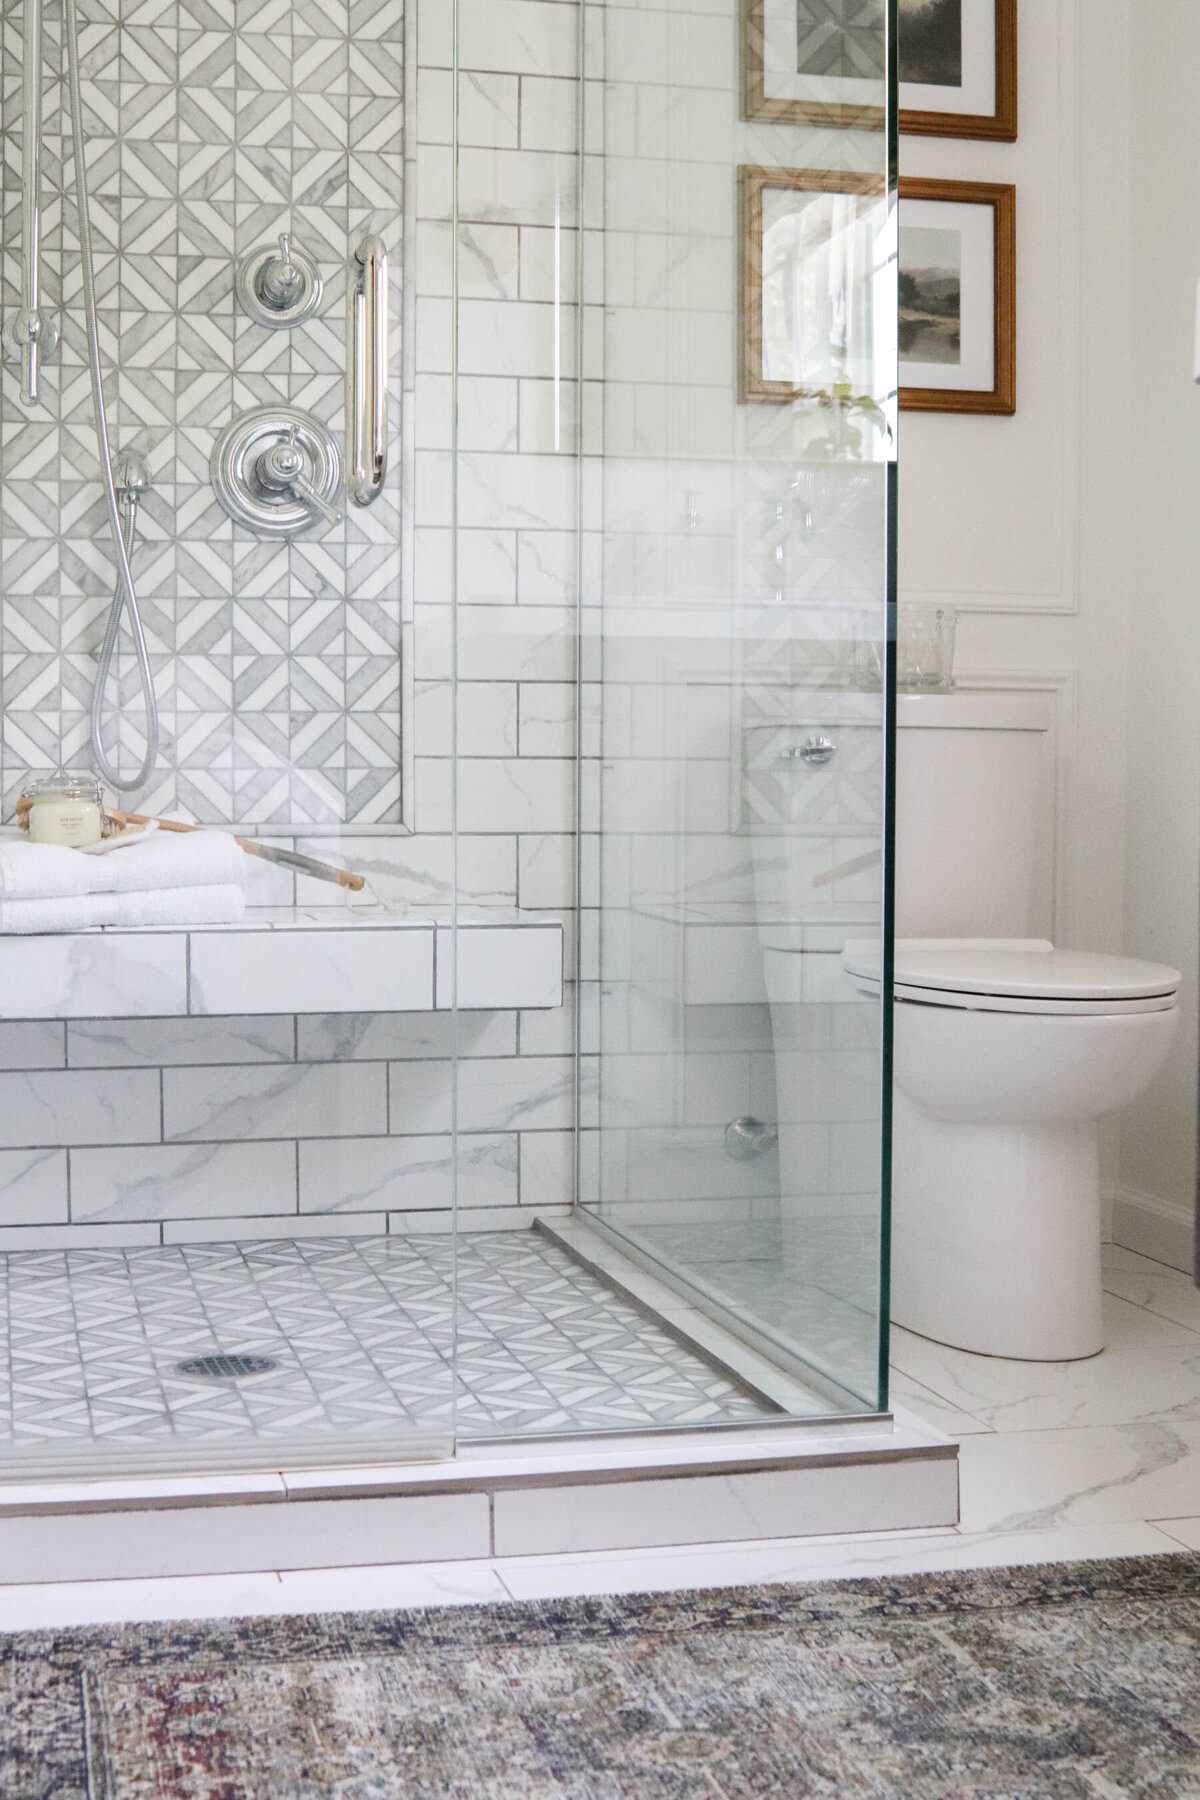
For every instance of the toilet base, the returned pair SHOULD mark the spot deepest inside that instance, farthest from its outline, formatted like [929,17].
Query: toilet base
[996,1235]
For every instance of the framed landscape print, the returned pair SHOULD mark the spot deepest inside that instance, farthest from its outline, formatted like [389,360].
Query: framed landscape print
[821,62]
[808,259]
[958,296]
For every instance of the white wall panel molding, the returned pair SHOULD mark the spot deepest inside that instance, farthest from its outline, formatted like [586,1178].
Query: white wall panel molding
[990,515]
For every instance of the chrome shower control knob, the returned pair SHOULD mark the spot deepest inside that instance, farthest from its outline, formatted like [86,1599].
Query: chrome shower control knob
[278,284]
[280,466]
[277,471]
[815,750]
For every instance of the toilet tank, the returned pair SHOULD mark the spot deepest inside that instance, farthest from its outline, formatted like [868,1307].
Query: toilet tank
[974,815]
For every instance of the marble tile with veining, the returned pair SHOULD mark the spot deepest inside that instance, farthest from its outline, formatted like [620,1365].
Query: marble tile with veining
[1150,1370]
[1171,1293]
[1036,1480]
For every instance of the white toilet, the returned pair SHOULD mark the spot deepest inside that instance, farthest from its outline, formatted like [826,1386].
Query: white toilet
[1008,1052]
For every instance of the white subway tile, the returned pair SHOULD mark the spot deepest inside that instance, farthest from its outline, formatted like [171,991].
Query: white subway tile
[500,966]
[522,1093]
[549,109]
[519,794]
[79,1107]
[488,260]
[408,1174]
[547,1168]
[416,871]
[292,1534]
[77,1237]
[33,1187]
[775,1503]
[549,1031]
[516,643]
[510,338]
[311,970]
[308,1100]
[133,1043]
[387,1037]
[546,718]
[547,869]
[523,36]
[92,974]
[32,1044]
[420,1097]
[165,1181]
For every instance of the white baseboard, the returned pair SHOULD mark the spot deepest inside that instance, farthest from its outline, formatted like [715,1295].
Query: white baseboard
[1161,1229]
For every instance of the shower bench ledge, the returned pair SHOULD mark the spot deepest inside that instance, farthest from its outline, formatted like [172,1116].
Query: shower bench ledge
[286,960]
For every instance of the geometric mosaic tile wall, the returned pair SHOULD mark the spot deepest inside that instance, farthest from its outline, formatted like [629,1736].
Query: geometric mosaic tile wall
[210,131]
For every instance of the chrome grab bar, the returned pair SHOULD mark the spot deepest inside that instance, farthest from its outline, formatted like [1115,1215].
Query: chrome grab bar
[32,333]
[368,372]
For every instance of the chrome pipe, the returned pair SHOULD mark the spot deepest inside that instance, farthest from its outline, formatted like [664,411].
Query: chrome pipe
[32,334]
[368,372]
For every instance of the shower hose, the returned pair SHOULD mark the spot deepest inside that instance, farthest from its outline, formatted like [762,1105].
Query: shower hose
[125,593]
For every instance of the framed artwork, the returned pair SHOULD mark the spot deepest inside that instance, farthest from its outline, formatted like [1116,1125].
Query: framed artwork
[821,62]
[958,68]
[808,245]
[958,296]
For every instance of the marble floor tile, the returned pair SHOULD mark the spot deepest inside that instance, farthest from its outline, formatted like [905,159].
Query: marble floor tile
[829,1559]
[1149,1370]
[1182,1531]
[1169,1293]
[1038,1480]
[907,1396]
[52,1604]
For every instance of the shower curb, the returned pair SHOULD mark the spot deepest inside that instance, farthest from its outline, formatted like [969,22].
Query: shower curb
[512,1501]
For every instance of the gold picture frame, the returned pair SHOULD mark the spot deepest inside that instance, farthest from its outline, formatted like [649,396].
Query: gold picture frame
[753,182]
[841,111]
[1001,396]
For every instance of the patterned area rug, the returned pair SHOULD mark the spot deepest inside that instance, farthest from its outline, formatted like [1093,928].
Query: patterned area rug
[1077,1682]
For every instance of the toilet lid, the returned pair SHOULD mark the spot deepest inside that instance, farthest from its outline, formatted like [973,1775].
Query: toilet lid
[1008,976]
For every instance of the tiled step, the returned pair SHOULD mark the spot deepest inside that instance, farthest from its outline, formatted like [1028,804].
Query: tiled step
[284,960]
[731,1486]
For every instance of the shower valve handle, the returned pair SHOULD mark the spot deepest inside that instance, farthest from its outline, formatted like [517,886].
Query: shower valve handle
[280,282]
[283,469]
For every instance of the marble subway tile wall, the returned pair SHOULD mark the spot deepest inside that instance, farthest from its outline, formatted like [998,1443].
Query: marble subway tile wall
[280,666]
[339,1123]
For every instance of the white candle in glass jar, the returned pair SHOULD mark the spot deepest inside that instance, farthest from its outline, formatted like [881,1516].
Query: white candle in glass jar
[66,809]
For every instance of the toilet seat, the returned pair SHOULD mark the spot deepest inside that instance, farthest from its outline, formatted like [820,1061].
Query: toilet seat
[1017,975]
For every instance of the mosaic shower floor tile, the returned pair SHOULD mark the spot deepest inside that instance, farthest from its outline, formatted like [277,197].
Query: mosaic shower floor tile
[358,1336]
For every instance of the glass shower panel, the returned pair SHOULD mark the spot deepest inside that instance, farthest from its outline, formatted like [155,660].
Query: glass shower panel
[226,1142]
[739,284]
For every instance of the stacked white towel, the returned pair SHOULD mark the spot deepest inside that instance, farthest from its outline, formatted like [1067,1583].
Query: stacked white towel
[165,878]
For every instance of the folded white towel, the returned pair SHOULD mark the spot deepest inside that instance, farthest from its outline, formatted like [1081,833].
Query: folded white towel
[174,859]
[75,912]
[163,859]
[223,904]
[48,871]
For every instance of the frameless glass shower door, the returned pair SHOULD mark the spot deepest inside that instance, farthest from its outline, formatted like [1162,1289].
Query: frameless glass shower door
[738,371]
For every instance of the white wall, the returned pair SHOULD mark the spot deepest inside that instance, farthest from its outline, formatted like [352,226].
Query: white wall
[1163,508]
[1070,534]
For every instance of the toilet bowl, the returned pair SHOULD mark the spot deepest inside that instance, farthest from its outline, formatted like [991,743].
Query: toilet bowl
[1008,1054]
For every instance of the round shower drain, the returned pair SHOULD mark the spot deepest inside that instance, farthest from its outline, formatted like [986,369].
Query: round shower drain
[225,1368]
